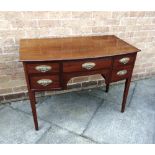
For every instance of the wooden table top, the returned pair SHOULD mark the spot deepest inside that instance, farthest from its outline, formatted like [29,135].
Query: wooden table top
[72,48]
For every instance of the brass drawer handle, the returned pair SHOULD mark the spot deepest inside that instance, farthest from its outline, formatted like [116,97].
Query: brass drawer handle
[88,65]
[124,60]
[43,68]
[44,82]
[122,72]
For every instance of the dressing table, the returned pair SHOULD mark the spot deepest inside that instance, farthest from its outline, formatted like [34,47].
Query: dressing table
[49,63]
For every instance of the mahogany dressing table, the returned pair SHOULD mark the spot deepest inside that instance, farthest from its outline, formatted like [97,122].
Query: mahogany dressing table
[50,63]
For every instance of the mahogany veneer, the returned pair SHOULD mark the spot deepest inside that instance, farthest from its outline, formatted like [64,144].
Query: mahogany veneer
[50,63]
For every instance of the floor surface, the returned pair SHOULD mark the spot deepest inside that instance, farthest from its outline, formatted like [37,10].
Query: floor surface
[88,116]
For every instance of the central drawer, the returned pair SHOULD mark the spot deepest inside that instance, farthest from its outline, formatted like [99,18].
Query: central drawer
[86,65]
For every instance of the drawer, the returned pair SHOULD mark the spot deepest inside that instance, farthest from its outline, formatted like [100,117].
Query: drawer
[42,67]
[121,73]
[124,60]
[89,65]
[44,82]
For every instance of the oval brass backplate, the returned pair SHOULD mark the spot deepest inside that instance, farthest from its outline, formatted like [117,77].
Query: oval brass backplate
[44,82]
[122,72]
[43,68]
[88,65]
[124,60]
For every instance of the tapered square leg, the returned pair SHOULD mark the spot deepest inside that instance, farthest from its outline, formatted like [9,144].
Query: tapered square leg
[107,82]
[126,89]
[33,107]
[107,88]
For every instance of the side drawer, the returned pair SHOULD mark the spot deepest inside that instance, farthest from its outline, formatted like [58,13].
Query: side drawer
[44,82]
[86,65]
[121,73]
[42,67]
[124,60]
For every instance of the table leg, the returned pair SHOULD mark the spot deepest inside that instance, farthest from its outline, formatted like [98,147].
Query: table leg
[33,107]
[126,89]
[107,82]
[107,87]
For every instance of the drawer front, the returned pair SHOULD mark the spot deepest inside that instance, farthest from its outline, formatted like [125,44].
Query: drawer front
[89,65]
[121,73]
[124,60]
[44,82]
[42,67]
